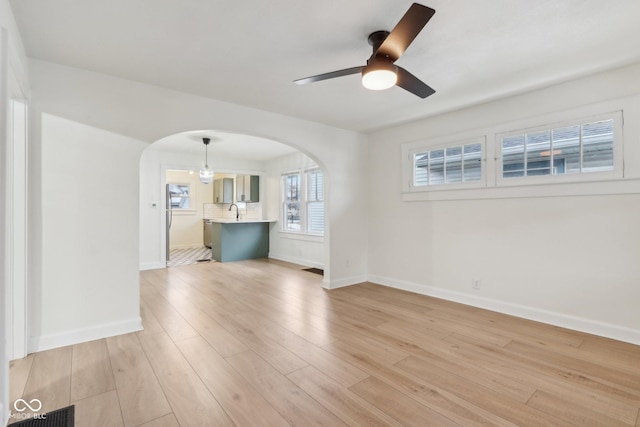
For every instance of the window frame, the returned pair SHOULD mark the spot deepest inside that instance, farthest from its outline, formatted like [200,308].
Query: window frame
[285,200]
[303,201]
[189,197]
[618,153]
[625,179]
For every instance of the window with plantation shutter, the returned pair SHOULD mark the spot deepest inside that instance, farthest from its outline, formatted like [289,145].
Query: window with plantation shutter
[315,201]
[566,149]
[564,153]
[453,164]
[303,202]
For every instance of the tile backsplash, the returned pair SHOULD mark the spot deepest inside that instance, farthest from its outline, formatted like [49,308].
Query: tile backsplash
[246,210]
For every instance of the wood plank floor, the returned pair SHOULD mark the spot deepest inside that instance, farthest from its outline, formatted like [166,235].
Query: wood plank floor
[261,343]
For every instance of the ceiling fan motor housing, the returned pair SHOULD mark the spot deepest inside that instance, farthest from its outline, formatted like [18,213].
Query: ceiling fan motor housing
[376,38]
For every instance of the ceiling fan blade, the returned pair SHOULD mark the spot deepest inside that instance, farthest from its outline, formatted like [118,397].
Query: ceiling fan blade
[331,75]
[405,32]
[411,83]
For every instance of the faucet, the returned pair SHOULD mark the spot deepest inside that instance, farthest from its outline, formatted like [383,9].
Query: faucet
[237,211]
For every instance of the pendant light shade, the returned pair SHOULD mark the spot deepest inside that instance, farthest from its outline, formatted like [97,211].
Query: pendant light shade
[206,173]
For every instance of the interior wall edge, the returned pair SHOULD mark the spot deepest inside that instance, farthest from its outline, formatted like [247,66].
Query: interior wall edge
[580,324]
[347,281]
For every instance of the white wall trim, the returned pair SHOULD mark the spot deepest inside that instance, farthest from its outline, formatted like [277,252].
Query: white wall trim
[152,265]
[301,236]
[583,188]
[296,260]
[557,319]
[77,336]
[341,283]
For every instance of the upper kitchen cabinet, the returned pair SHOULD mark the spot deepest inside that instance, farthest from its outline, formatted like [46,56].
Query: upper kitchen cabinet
[247,188]
[223,190]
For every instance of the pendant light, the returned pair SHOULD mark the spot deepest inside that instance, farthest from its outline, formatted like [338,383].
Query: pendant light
[206,173]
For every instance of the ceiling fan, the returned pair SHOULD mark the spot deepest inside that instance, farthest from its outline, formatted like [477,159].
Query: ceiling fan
[381,72]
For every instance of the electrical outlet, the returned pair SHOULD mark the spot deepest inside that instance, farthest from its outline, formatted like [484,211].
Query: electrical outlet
[476,283]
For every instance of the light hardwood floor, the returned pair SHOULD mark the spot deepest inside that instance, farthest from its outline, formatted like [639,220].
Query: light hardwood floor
[261,343]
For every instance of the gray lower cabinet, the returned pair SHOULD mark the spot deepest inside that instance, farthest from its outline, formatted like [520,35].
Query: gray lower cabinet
[207,234]
[235,241]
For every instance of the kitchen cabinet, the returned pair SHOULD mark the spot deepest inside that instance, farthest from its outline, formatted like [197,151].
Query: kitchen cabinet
[207,234]
[239,240]
[247,188]
[223,190]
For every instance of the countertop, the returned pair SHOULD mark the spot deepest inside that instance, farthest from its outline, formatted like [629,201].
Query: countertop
[233,221]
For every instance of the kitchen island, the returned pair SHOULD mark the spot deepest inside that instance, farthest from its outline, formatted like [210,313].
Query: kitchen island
[233,240]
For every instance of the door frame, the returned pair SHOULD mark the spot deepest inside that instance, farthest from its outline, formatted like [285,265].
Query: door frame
[17,228]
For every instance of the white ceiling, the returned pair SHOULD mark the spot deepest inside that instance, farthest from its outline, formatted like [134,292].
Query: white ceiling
[250,52]
[224,144]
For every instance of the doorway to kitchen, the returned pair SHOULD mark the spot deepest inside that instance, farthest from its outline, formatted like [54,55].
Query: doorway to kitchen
[185,197]
[240,161]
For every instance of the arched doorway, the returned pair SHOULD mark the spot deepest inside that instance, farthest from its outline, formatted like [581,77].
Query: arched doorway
[233,154]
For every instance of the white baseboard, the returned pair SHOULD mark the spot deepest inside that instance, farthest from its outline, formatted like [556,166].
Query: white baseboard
[152,265]
[326,283]
[532,313]
[295,260]
[47,342]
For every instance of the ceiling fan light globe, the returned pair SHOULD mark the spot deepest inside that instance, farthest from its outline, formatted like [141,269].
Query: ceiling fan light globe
[379,77]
